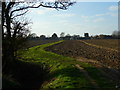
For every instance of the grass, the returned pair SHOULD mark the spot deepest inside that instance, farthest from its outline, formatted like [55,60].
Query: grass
[62,70]
[95,74]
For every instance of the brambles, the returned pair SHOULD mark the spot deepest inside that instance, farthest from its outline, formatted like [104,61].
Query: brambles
[74,48]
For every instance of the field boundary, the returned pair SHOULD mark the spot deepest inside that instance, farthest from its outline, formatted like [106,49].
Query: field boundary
[97,46]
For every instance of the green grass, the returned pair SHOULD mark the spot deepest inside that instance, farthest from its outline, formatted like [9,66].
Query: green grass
[62,70]
[96,74]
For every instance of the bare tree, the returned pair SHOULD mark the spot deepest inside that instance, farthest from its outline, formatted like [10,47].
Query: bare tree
[14,29]
[13,10]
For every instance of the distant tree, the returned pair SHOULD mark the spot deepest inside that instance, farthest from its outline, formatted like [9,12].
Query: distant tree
[54,36]
[86,34]
[62,34]
[75,37]
[42,37]
[32,35]
[67,37]
[37,37]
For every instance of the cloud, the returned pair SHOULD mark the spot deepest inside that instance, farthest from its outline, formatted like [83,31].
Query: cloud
[64,15]
[113,8]
[113,14]
[84,16]
[107,14]
[44,25]
[100,15]
[98,20]
[63,22]
[110,13]
[87,18]
[42,11]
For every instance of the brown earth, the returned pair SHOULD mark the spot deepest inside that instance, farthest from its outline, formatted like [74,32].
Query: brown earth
[107,61]
[74,48]
[108,43]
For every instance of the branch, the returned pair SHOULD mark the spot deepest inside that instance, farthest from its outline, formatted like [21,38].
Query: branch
[10,5]
[56,5]
[15,30]
[5,26]
[20,14]
[24,8]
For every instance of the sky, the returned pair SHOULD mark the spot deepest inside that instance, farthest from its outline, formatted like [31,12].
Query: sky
[94,18]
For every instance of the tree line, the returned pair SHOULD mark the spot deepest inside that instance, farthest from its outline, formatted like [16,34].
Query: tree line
[54,36]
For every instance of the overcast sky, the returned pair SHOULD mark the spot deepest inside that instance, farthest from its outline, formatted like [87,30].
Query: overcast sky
[91,17]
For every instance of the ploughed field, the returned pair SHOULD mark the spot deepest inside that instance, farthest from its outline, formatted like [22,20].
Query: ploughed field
[92,66]
[107,43]
[105,51]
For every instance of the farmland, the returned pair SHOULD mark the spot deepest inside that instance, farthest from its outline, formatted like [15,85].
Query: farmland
[73,64]
[86,49]
[59,44]
[107,43]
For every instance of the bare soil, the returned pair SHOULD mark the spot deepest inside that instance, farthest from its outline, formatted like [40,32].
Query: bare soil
[107,61]
[75,49]
[108,43]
